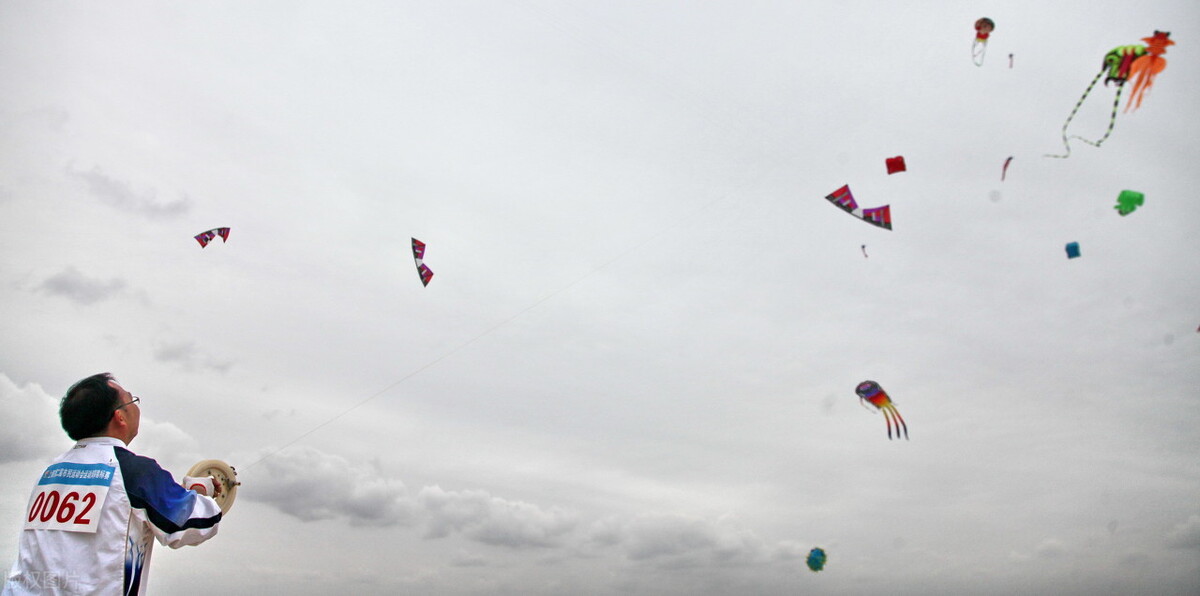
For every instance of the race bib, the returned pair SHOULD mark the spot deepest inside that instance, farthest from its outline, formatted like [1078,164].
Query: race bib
[69,497]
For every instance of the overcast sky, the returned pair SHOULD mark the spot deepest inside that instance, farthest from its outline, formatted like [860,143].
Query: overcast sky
[634,369]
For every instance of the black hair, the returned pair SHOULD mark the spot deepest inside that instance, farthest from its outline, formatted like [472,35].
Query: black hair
[88,406]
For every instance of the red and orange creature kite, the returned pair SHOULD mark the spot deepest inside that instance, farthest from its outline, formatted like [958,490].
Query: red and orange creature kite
[1142,63]
[870,391]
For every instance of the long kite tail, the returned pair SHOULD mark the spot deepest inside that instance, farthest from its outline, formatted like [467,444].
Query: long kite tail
[1078,104]
[899,422]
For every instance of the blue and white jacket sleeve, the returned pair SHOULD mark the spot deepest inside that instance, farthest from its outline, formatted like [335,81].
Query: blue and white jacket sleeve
[178,516]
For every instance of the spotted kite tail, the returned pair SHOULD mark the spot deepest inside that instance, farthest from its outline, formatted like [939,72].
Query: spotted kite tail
[1112,121]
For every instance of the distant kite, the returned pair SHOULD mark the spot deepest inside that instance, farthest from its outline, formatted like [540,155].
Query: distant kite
[1141,62]
[1072,250]
[426,273]
[983,29]
[205,237]
[1128,201]
[895,164]
[816,559]
[864,249]
[880,216]
[871,391]
[1004,171]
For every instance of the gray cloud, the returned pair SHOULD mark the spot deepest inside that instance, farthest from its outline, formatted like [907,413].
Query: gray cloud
[492,520]
[311,485]
[185,354]
[683,541]
[120,194]
[1186,534]
[77,287]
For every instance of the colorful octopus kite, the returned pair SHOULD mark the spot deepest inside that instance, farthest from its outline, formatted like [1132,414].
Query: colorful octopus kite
[1142,63]
[983,29]
[873,393]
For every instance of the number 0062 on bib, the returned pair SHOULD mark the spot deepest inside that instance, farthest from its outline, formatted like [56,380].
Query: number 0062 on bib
[69,497]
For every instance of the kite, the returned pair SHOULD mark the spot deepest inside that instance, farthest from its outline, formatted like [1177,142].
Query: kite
[1010,61]
[1072,250]
[983,28]
[873,393]
[864,249]
[1128,201]
[205,237]
[1146,67]
[419,257]
[895,164]
[1004,172]
[816,559]
[880,216]
[1142,62]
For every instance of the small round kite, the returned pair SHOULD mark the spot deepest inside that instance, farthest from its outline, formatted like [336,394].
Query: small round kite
[870,391]
[816,559]
[983,29]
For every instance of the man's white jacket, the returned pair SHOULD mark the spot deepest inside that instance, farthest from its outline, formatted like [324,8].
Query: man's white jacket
[92,518]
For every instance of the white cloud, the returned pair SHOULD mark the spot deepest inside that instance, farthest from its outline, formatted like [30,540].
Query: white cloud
[31,430]
[312,485]
[492,520]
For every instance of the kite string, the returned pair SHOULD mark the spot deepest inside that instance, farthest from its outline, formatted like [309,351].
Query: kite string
[490,330]
[679,92]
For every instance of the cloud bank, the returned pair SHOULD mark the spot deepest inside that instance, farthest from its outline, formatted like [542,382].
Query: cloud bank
[311,485]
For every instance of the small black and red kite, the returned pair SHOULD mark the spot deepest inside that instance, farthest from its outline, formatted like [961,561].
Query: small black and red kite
[880,216]
[419,257]
[205,237]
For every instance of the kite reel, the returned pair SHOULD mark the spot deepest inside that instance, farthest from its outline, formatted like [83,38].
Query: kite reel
[220,472]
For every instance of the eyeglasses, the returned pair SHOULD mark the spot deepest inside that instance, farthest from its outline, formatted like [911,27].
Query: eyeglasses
[135,400]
